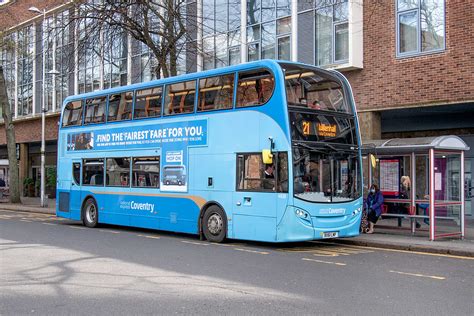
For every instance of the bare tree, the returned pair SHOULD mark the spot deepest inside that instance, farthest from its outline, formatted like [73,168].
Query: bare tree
[164,26]
[11,143]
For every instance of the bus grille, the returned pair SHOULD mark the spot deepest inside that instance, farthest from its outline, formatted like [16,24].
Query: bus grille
[64,201]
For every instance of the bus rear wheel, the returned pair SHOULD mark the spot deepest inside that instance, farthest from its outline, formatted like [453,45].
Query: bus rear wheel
[214,224]
[90,213]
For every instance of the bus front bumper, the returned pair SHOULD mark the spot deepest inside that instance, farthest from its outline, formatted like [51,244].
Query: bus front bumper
[294,226]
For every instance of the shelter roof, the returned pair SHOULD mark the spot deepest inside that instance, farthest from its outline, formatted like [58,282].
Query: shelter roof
[417,144]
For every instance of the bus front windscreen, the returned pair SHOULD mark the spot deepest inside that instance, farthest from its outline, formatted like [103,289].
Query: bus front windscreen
[325,175]
[313,89]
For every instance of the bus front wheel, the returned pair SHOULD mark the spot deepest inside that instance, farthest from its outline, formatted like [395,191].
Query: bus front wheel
[214,224]
[90,213]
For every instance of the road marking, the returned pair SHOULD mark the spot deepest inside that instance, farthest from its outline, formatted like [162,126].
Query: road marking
[195,243]
[23,220]
[109,231]
[222,245]
[252,251]
[321,261]
[403,251]
[423,253]
[149,236]
[77,227]
[327,251]
[50,224]
[419,275]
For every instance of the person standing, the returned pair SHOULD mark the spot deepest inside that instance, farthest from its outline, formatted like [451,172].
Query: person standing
[374,206]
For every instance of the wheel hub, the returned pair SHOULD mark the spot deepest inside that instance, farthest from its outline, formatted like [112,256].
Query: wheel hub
[214,224]
[91,213]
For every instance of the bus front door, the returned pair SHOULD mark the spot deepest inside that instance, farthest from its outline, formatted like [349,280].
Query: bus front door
[75,198]
[254,216]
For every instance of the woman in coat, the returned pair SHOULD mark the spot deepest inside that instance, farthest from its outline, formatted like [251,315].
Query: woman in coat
[374,206]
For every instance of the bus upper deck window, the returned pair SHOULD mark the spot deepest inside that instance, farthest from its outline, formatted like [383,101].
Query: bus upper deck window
[180,98]
[216,93]
[72,114]
[120,106]
[254,88]
[95,110]
[148,102]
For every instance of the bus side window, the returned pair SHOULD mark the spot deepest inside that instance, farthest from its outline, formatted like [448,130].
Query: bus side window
[93,172]
[179,97]
[254,175]
[216,93]
[254,88]
[72,115]
[120,107]
[95,110]
[148,103]
[76,173]
[146,172]
[118,170]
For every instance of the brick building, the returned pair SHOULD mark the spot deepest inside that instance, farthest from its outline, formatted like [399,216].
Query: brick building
[410,62]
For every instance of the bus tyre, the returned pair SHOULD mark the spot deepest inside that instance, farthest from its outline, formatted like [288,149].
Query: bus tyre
[214,224]
[90,213]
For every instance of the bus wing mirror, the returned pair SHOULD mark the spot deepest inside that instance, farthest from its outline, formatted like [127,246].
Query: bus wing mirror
[267,156]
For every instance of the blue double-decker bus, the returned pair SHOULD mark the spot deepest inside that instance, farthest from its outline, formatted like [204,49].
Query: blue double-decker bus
[266,151]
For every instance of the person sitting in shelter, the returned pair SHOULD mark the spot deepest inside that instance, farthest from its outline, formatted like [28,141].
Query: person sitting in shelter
[373,205]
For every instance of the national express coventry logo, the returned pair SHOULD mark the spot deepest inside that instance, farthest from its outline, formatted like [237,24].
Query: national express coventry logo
[138,206]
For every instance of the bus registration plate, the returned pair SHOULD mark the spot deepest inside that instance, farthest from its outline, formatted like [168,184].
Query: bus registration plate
[330,234]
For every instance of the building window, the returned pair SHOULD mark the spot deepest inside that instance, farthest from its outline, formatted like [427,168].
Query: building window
[89,48]
[332,32]
[420,26]
[221,33]
[115,57]
[64,56]
[25,70]
[269,29]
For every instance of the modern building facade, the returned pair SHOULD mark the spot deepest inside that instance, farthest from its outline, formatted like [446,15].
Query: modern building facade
[410,62]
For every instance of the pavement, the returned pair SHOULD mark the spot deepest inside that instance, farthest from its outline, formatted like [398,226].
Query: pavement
[385,236]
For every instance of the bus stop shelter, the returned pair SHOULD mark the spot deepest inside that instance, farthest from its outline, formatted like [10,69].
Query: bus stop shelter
[422,180]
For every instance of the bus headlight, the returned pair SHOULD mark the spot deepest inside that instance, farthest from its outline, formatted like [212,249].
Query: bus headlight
[356,211]
[302,214]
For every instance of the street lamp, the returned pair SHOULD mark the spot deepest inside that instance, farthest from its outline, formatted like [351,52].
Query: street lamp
[43,109]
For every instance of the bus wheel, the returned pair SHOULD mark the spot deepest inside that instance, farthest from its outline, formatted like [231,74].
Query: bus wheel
[90,213]
[214,224]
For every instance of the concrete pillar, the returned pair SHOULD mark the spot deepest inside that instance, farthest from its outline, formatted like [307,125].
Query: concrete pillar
[370,125]
[23,165]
